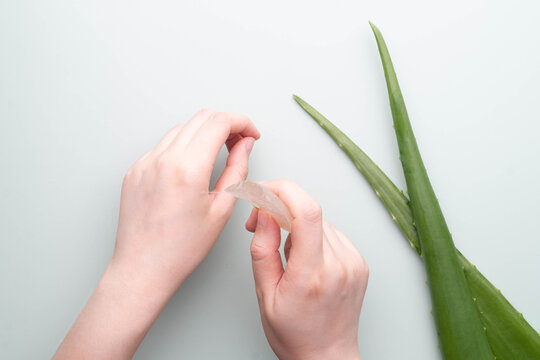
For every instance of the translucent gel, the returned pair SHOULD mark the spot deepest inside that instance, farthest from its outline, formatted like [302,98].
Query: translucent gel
[263,198]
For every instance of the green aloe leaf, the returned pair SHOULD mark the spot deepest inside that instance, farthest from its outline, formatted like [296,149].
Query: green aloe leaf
[393,198]
[458,323]
[509,334]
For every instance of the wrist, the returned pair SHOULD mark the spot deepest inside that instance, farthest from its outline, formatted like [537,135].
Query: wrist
[146,273]
[116,318]
[137,288]
[130,302]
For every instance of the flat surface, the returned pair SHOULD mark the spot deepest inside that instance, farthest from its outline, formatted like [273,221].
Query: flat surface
[88,87]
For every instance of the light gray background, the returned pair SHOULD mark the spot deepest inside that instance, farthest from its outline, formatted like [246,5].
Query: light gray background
[87,87]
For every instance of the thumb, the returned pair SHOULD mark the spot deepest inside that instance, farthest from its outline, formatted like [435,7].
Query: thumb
[266,260]
[235,170]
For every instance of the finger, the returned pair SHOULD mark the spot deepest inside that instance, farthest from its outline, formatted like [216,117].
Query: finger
[183,137]
[167,139]
[346,241]
[235,171]
[355,255]
[144,157]
[266,260]
[251,223]
[333,240]
[307,231]
[232,140]
[202,151]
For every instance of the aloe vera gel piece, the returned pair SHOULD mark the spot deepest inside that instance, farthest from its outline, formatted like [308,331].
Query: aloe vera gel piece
[263,198]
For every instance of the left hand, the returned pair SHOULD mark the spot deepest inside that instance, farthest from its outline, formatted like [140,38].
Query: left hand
[168,224]
[169,221]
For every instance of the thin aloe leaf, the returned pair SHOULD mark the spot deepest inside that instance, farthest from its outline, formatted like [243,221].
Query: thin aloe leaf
[509,334]
[384,188]
[458,322]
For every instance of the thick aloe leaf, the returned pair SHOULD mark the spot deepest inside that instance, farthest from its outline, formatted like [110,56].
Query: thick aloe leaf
[509,334]
[263,198]
[460,330]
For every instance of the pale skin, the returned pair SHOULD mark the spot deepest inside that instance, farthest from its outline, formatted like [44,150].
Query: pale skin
[169,222]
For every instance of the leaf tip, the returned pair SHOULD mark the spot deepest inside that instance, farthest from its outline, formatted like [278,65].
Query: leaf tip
[297,98]
[301,102]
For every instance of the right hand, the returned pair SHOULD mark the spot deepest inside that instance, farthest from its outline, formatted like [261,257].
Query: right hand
[310,309]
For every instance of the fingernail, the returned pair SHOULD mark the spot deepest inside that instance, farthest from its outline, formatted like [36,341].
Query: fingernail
[249,144]
[262,220]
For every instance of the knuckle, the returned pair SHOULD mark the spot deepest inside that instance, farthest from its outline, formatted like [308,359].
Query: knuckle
[166,165]
[187,176]
[284,185]
[163,163]
[177,127]
[286,182]
[360,269]
[127,177]
[315,286]
[204,111]
[312,212]
[131,175]
[258,251]
[338,275]
[219,119]
[342,275]
[365,271]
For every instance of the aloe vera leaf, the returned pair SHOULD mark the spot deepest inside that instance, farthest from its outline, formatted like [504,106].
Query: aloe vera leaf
[263,198]
[458,322]
[509,334]
[384,188]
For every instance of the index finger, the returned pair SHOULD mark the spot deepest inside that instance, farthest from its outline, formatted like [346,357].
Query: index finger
[307,225]
[202,151]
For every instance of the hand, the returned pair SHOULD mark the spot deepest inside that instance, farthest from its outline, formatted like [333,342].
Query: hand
[169,221]
[310,309]
[168,224]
